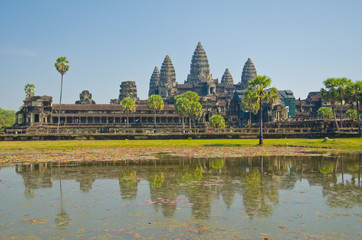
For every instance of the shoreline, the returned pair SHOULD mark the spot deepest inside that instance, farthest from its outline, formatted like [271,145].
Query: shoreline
[70,151]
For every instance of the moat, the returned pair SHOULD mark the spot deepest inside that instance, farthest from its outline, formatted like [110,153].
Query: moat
[179,198]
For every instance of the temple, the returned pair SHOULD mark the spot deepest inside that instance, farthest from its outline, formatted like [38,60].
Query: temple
[222,98]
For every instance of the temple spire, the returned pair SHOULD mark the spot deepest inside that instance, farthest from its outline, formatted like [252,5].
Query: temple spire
[199,68]
[249,72]
[154,82]
[167,83]
[227,79]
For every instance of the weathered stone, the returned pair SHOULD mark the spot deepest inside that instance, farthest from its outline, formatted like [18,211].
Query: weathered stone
[227,79]
[167,83]
[85,97]
[154,82]
[200,71]
[128,90]
[249,72]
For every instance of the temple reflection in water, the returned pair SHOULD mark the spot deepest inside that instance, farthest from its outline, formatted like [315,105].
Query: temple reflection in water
[172,181]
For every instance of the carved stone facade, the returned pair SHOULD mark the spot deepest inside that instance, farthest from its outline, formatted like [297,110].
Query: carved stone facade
[128,90]
[199,68]
[167,84]
[227,79]
[249,72]
[85,97]
[154,82]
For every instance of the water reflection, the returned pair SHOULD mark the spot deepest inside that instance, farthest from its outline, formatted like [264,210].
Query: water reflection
[202,181]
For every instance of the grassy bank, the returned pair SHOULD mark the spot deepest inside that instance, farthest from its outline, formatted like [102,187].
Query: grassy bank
[345,143]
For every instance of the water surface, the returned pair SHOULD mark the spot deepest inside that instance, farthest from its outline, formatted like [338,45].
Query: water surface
[177,198]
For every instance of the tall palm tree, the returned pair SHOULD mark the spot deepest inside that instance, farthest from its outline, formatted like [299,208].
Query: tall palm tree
[330,94]
[354,95]
[155,103]
[342,84]
[249,103]
[62,67]
[259,86]
[128,106]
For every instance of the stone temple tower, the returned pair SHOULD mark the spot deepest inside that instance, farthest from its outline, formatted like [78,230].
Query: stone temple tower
[200,71]
[167,83]
[249,72]
[128,90]
[154,82]
[227,79]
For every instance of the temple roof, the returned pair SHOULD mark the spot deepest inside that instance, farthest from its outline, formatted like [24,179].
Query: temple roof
[154,81]
[199,65]
[167,74]
[227,79]
[249,72]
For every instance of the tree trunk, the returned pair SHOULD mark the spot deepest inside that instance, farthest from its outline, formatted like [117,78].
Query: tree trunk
[249,118]
[341,112]
[60,103]
[155,120]
[183,122]
[358,120]
[261,124]
[334,115]
[127,121]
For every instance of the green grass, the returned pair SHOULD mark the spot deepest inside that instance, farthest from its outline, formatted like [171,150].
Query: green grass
[341,143]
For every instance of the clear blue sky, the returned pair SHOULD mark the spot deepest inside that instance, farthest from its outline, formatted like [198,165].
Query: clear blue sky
[296,43]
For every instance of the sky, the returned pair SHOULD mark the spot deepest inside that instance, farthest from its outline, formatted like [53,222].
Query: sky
[298,44]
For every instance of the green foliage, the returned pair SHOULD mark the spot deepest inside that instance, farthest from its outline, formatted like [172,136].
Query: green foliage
[324,112]
[29,90]
[7,118]
[129,178]
[191,96]
[258,88]
[155,103]
[189,138]
[128,105]
[217,163]
[326,168]
[249,102]
[217,121]
[352,113]
[195,111]
[157,180]
[61,65]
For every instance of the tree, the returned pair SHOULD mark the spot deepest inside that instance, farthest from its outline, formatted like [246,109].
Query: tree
[182,106]
[354,96]
[62,67]
[324,112]
[217,121]
[249,103]
[195,111]
[330,94]
[29,90]
[258,86]
[128,106]
[155,103]
[342,84]
[352,113]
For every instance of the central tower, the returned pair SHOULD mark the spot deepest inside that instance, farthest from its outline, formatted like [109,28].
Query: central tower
[200,71]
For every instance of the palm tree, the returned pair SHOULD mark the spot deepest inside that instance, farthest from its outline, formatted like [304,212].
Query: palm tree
[259,86]
[195,112]
[330,94]
[182,106]
[354,95]
[155,104]
[29,90]
[128,106]
[249,103]
[62,68]
[342,84]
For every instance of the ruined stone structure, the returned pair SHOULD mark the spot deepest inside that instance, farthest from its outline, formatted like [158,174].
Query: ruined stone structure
[222,98]
[128,90]
[227,79]
[85,97]
[154,82]
[167,83]
[249,72]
